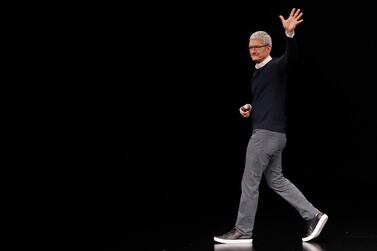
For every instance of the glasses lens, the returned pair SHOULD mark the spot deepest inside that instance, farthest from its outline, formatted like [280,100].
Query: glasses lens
[256,47]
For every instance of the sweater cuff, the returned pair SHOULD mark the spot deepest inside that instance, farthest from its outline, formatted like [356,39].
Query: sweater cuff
[290,34]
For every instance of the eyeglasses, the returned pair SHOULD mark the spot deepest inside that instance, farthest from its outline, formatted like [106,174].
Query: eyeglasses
[256,47]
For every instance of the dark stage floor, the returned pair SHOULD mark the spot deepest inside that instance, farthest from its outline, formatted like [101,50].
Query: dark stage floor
[108,214]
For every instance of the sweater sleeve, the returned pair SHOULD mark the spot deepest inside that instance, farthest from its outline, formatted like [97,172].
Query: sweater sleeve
[290,56]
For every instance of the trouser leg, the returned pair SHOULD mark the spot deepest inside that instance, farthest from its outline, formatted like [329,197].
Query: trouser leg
[255,164]
[286,189]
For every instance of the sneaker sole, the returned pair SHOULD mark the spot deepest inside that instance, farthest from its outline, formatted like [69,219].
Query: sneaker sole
[241,241]
[318,229]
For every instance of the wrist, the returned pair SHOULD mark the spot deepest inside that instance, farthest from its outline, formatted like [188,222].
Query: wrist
[290,33]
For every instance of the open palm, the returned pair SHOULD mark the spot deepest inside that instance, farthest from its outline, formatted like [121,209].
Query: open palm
[293,20]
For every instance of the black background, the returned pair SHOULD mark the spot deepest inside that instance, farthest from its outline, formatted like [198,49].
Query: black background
[143,124]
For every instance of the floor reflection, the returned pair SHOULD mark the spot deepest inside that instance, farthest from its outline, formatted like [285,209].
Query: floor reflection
[234,247]
[306,246]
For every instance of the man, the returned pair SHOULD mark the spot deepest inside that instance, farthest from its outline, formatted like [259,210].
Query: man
[264,150]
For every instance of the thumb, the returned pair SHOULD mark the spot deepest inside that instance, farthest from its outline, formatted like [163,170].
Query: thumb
[281,17]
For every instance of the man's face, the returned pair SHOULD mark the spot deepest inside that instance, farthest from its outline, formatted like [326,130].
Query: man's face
[258,50]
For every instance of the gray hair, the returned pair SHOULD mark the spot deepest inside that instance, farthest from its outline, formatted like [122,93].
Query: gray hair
[263,36]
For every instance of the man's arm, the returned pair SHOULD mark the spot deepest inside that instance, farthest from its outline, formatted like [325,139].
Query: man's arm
[289,25]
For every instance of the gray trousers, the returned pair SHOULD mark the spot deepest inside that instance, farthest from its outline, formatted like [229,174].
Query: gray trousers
[264,157]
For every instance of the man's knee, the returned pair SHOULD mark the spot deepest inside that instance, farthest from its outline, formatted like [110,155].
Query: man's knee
[277,183]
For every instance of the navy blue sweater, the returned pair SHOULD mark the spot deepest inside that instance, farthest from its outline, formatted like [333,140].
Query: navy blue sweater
[268,87]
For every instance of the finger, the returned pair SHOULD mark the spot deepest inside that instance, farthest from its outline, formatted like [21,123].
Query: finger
[299,16]
[292,12]
[297,12]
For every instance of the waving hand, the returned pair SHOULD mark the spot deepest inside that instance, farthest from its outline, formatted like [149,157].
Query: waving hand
[292,21]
